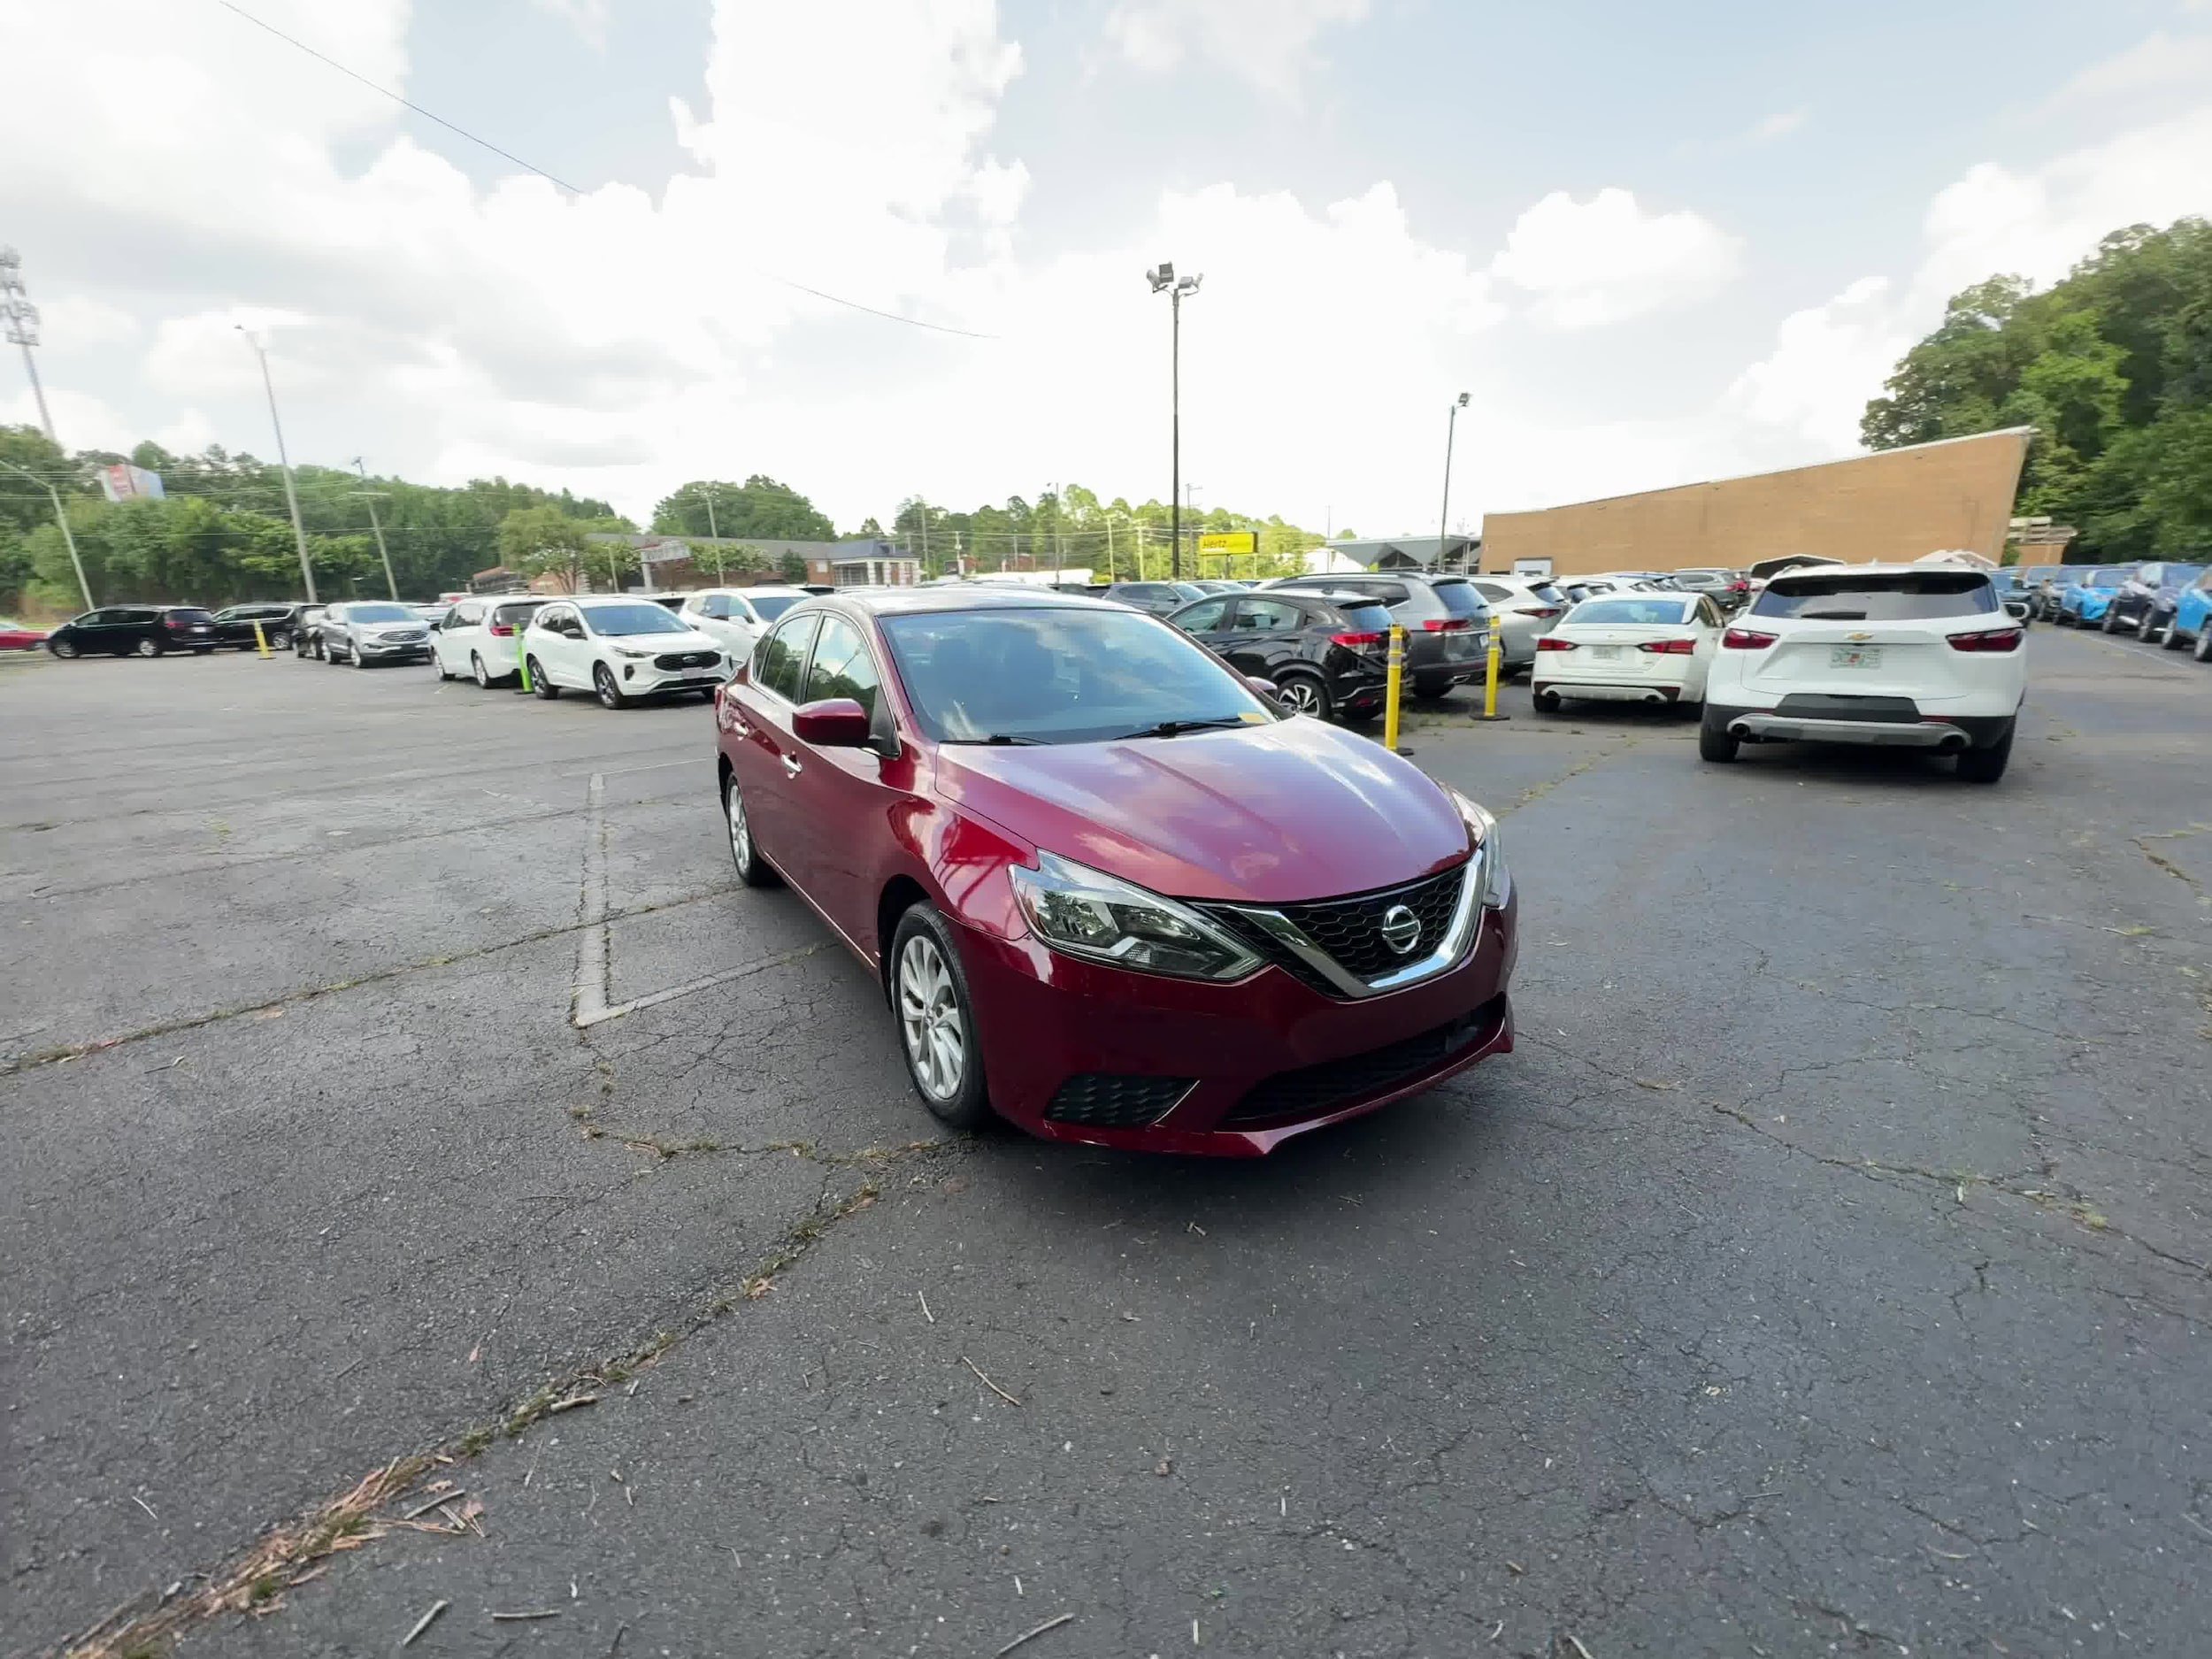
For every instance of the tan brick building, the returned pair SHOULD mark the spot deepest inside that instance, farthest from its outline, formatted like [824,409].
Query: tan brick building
[1891,504]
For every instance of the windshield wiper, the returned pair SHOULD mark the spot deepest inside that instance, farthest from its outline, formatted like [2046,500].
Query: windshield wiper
[1176,728]
[998,738]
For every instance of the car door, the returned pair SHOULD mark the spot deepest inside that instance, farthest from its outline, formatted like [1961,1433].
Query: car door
[570,662]
[1263,636]
[838,806]
[542,644]
[95,631]
[453,640]
[1709,625]
[763,758]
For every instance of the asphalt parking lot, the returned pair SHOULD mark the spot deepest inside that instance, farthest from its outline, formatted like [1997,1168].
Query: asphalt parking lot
[384,1062]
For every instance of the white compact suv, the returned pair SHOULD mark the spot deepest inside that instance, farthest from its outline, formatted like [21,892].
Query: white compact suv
[1905,656]
[737,616]
[621,647]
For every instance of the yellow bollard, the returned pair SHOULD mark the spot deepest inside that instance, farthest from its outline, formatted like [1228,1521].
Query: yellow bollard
[261,642]
[1490,679]
[1395,679]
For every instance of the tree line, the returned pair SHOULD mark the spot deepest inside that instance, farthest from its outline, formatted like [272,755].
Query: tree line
[2112,366]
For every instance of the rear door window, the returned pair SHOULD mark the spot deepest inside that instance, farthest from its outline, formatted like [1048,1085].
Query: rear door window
[1461,599]
[1856,598]
[1267,616]
[1367,619]
[1204,619]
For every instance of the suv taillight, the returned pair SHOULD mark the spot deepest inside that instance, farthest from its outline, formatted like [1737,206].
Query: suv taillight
[500,630]
[1355,642]
[1747,639]
[1538,610]
[1987,640]
[1447,624]
[1669,647]
[1552,642]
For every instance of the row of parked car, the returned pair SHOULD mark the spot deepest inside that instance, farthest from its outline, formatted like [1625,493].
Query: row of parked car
[2161,602]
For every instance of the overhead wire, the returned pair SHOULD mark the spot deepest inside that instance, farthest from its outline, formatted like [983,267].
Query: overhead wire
[555,179]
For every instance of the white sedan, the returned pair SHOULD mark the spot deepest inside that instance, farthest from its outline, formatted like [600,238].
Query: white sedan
[619,647]
[1630,648]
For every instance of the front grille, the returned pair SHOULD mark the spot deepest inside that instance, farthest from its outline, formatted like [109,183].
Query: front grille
[684,659]
[396,639]
[1314,1089]
[1111,1100]
[1350,930]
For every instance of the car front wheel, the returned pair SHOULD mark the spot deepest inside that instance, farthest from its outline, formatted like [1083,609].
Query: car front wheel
[610,694]
[2203,653]
[62,648]
[929,993]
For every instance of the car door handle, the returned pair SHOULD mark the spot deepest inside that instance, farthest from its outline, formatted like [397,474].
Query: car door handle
[791,765]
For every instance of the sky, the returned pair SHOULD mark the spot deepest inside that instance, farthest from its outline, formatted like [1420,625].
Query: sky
[1653,244]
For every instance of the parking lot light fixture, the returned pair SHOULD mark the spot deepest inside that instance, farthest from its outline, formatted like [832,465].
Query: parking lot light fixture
[1444,519]
[1164,280]
[291,495]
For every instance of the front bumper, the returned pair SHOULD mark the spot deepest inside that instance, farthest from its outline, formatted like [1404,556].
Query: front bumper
[1043,1019]
[372,649]
[642,679]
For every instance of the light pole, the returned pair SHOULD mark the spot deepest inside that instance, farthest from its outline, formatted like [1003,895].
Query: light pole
[291,495]
[373,496]
[714,533]
[61,517]
[1163,279]
[21,317]
[1444,522]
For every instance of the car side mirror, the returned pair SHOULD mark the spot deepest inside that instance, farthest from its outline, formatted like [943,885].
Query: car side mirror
[742,672]
[1266,687]
[832,723]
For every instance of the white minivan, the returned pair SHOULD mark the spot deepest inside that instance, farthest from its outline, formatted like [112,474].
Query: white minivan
[1902,656]
[621,647]
[737,616]
[481,637]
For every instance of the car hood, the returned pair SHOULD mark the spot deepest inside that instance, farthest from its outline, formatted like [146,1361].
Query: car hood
[391,627]
[1291,811]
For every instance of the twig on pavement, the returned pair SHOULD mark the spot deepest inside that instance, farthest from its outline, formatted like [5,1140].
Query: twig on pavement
[993,1386]
[1032,1633]
[423,1624]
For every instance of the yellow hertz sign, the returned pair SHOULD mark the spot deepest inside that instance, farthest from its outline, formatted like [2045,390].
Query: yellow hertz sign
[1229,541]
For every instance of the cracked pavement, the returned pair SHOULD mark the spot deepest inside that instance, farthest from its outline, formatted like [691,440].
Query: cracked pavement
[1826,1272]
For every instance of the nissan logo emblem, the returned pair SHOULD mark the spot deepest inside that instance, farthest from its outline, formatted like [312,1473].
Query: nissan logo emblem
[1401,929]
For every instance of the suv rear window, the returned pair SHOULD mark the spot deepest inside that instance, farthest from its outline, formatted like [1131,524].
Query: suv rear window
[186,613]
[1858,598]
[1367,619]
[1461,599]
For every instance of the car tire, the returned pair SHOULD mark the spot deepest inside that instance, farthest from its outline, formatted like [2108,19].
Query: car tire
[1986,765]
[359,661]
[752,869]
[279,641]
[2167,640]
[1429,690]
[1715,742]
[1304,694]
[1546,701]
[478,671]
[540,685]
[63,648]
[929,1001]
[2111,623]
[611,696]
[2203,653]
[148,647]
[438,662]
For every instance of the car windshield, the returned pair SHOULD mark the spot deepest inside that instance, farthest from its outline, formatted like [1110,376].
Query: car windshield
[770,606]
[514,615]
[380,613]
[1060,675]
[642,617]
[1859,598]
[1461,599]
[1641,613]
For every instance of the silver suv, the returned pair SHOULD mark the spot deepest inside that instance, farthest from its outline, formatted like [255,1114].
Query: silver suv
[1527,608]
[365,630]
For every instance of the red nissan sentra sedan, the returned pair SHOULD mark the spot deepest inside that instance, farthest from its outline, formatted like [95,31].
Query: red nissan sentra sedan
[1113,894]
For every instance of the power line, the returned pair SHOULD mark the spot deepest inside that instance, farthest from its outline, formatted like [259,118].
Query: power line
[554,179]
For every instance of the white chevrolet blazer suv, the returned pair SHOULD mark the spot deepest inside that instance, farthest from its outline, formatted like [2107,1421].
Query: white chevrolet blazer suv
[1905,656]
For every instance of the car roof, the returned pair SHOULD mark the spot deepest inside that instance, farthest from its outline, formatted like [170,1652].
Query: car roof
[883,602]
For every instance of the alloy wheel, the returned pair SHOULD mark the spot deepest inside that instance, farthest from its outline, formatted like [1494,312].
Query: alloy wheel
[147,648]
[930,1020]
[476,667]
[740,832]
[63,648]
[1300,697]
[602,681]
[2203,653]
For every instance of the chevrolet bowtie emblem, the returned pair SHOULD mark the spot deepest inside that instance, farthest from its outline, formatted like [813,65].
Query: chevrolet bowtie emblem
[1858,636]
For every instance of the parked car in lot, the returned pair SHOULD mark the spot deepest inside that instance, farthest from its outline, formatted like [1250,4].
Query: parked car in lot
[307,633]
[20,636]
[2012,595]
[1327,654]
[365,630]
[2192,623]
[1909,656]
[2088,594]
[1447,625]
[481,638]
[1159,598]
[1526,610]
[1111,894]
[1630,648]
[135,631]
[2146,601]
[619,647]
[278,620]
[737,617]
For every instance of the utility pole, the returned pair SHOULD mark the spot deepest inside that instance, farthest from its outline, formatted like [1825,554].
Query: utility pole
[714,533]
[61,517]
[921,508]
[1164,279]
[291,495]
[373,496]
[1444,520]
[21,317]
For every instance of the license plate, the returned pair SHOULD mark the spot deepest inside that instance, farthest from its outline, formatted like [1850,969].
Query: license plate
[1605,653]
[1854,656]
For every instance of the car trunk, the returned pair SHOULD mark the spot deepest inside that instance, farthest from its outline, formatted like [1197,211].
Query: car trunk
[1860,659]
[1615,653]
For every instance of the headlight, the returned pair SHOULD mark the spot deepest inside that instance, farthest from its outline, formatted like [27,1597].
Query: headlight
[1489,852]
[1087,913]
[630,651]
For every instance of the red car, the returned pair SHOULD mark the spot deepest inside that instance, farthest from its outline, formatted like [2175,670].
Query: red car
[15,637]
[1113,892]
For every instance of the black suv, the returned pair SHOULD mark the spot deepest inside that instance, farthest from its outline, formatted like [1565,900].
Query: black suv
[1446,622]
[2145,603]
[278,620]
[1326,652]
[134,631]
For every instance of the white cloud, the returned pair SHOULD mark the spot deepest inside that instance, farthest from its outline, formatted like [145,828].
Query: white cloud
[1781,123]
[1606,260]
[588,18]
[2161,63]
[74,322]
[1268,42]
[1827,361]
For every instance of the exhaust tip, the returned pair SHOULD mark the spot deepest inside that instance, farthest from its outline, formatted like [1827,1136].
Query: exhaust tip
[1952,742]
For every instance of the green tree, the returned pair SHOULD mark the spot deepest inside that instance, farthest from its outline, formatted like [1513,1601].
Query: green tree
[760,509]
[536,541]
